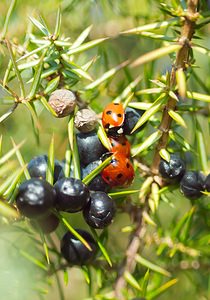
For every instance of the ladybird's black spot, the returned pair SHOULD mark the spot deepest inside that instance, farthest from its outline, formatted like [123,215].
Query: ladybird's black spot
[119,115]
[116,104]
[124,144]
[107,177]
[112,144]
[107,125]
[109,112]
[128,165]
[120,175]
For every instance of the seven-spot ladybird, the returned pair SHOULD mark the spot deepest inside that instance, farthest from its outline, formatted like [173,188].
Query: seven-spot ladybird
[119,172]
[121,145]
[112,118]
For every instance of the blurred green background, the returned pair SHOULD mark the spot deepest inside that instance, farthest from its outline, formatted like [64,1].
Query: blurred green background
[18,277]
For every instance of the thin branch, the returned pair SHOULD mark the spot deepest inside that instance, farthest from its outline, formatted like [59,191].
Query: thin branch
[129,264]
[181,62]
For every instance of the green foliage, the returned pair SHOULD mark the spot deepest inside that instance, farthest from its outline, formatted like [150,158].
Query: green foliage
[130,54]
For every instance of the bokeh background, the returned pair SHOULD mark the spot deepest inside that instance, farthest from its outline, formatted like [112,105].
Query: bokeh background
[19,279]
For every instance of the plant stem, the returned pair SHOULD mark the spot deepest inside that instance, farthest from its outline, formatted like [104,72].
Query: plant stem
[181,62]
[182,58]
[60,289]
[128,265]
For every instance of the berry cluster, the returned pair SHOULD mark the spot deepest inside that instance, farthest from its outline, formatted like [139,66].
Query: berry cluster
[39,201]
[42,203]
[192,183]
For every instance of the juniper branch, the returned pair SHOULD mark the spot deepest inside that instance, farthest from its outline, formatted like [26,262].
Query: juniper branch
[182,60]
[128,265]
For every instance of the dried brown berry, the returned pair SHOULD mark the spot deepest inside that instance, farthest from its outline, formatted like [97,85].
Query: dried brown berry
[85,120]
[62,102]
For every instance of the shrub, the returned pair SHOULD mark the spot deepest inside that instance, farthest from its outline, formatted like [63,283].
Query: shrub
[158,245]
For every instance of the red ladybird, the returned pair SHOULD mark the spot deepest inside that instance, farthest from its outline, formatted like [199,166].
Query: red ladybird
[112,118]
[121,145]
[119,172]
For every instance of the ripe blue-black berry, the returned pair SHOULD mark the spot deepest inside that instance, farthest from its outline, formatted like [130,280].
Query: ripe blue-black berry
[100,210]
[192,184]
[90,147]
[71,194]
[131,118]
[207,183]
[35,198]
[47,224]
[172,170]
[74,251]
[37,168]
[97,184]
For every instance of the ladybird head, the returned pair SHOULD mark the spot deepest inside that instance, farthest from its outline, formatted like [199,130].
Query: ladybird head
[113,118]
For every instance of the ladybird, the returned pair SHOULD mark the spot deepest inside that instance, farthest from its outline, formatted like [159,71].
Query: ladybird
[121,145]
[113,118]
[119,172]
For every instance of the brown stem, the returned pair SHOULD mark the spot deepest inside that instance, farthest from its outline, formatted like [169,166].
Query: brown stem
[181,62]
[182,57]
[129,262]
